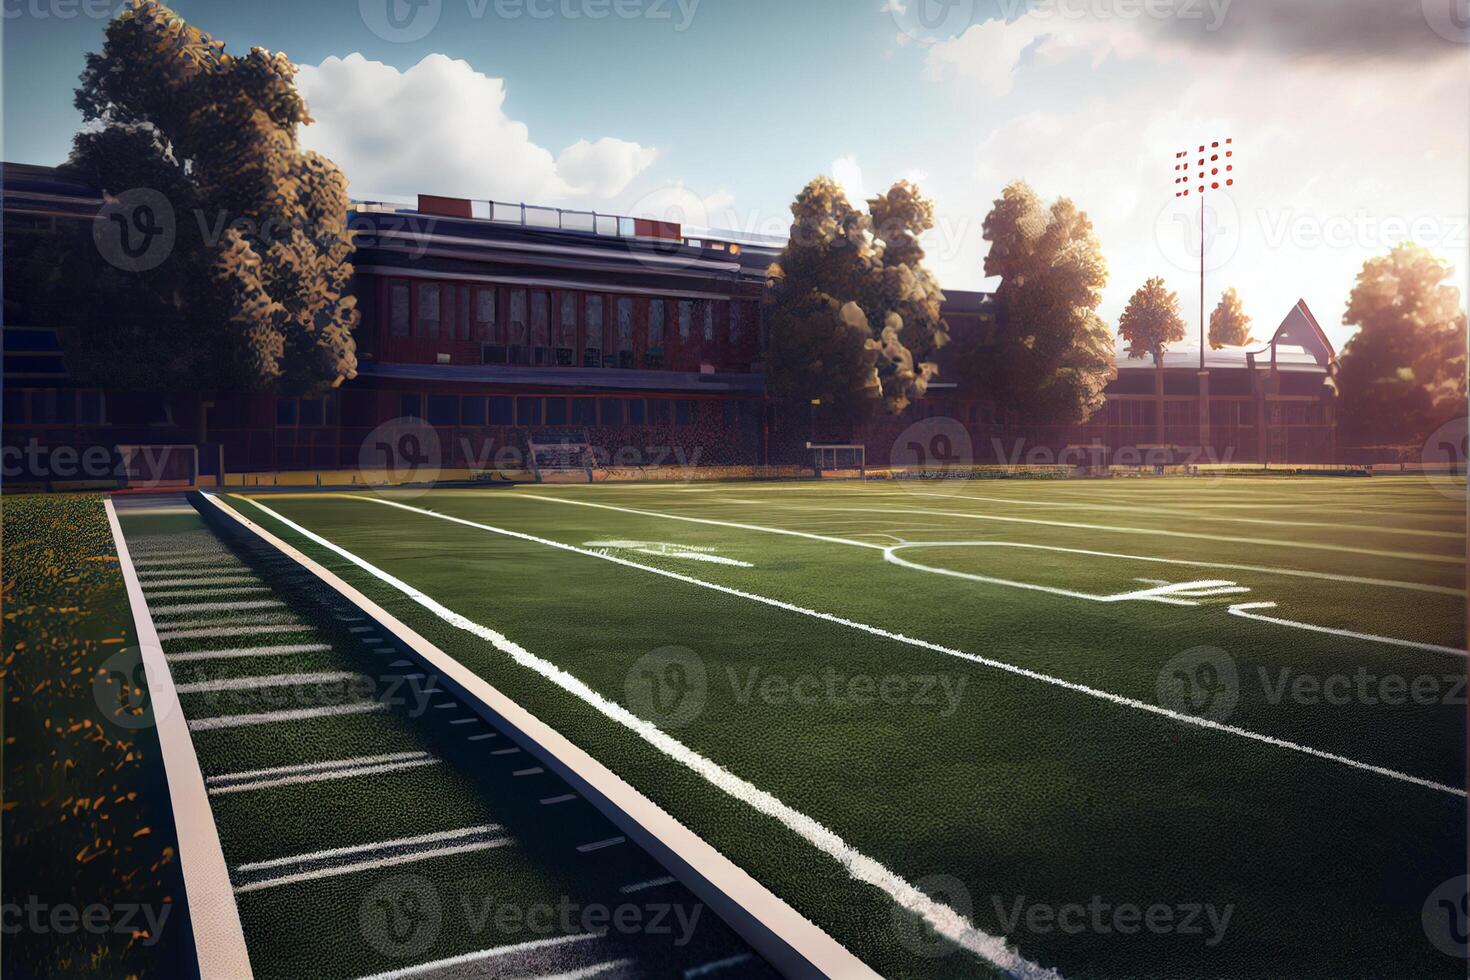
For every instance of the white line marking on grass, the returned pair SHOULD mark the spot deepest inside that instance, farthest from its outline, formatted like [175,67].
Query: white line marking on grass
[248,619]
[181,561]
[166,583]
[202,593]
[940,917]
[223,631]
[323,776]
[335,870]
[659,550]
[191,656]
[199,607]
[274,717]
[449,964]
[660,738]
[481,738]
[715,966]
[272,680]
[1224,566]
[643,886]
[554,800]
[1243,610]
[598,845]
[249,775]
[587,972]
[438,837]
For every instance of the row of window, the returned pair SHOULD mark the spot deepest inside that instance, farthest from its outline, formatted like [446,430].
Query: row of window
[526,318]
[54,406]
[481,410]
[306,412]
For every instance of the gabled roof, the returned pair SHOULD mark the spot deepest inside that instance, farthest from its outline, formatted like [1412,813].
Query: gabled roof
[1299,344]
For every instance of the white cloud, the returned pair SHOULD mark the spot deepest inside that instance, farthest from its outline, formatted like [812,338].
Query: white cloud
[1337,160]
[440,128]
[849,176]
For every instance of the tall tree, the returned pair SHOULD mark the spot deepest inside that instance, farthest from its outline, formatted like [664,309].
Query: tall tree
[192,142]
[1050,355]
[1151,321]
[855,314]
[1403,372]
[1229,326]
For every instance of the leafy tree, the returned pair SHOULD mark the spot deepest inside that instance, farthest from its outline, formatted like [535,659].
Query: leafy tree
[1403,372]
[1229,326]
[855,314]
[1151,322]
[253,294]
[1050,355]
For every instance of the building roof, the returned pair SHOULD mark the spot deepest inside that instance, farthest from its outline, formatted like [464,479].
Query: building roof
[1299,344]
[585,379]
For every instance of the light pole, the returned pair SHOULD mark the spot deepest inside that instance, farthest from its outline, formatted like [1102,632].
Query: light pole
[1212,170]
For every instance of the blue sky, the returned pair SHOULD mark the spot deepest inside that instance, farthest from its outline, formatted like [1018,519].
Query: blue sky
[721,110]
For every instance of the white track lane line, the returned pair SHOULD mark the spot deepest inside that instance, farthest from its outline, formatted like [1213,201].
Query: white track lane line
[942,918]
[193,656]
[223,631]
[275,717]
[271,680]
[438,837]
[184,609]
[449,967]
[250,775]
[165,583]
[207,593]
[336,870]
[1118,699]
[323,776]
[1264,569]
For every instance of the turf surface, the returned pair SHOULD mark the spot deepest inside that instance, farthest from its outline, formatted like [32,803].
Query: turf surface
[1010,797]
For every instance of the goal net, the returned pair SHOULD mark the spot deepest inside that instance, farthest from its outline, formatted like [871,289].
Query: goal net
[561,452]
[832,459]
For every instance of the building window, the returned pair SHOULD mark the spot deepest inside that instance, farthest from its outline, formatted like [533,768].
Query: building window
[683,412]
[592,352]
[518,318]
[584,411]
[502,410]
[540,319]
[428,318]
[556,411]
[313,412]
[411,406]
[472,410]
[528,411]
[398,313]
[612,411]
[285,412]
[486,327]
[660,411]
[625,324]
[636,412]
[656,310]
[444,410]
[709,320]
[462,313]
[566,332]
[686,318]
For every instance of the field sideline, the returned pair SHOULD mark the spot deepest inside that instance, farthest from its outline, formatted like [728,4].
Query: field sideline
[935,716]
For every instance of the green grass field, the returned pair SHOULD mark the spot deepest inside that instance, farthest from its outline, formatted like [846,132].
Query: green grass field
[1133,727]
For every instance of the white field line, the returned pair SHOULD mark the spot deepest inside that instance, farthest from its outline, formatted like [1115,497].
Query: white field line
[325,775]
[878,631]
[1138,509]
[1152,531]
[272,680]
[193,656]
[438,837]
[943,919]
[364,760]
[184,609]
[588,972]
[274,717]
[165,583]
[223,631]
[715,966]
[1243,610]
[336,870]
[641,886]
[1263,569]
[206,593]
[183,561]
[449,967]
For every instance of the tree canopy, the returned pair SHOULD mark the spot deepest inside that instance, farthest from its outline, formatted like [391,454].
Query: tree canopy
[854,314]
[1403,373]
[188,141]
[1229,326]
[1151,321]
[1050,355]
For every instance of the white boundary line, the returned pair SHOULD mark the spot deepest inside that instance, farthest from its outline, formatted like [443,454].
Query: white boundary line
[482,955]
[1010,668]
[1243,611]
[219,942]
[791,942]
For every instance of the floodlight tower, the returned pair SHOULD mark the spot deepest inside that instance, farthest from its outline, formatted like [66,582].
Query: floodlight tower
[1211,171]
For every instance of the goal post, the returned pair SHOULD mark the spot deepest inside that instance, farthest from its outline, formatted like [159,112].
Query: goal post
[839,458]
